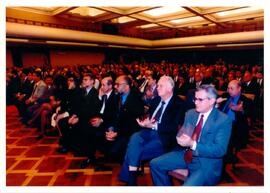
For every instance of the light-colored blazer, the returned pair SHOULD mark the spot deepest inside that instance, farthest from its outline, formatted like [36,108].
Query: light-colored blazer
[39,91]
[213,142]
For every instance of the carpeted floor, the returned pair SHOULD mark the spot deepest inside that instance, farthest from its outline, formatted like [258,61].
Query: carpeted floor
[36,163]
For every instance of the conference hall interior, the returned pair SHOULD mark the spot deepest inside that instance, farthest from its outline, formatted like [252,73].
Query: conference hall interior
[57,136]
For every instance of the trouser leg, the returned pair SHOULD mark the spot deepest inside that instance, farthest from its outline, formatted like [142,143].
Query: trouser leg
[160,167]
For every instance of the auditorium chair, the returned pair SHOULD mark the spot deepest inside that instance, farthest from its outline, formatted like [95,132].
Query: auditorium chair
[179,174]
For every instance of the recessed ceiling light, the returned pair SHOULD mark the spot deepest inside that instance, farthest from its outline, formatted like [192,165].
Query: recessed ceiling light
[148,25]
[163,11]
[125,19]
[188,19]
[87,11]
[236,11]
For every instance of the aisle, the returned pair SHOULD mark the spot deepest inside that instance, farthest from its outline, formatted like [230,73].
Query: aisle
[36,163]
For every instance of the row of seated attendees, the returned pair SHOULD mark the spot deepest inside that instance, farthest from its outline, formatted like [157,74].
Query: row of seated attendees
[132,113]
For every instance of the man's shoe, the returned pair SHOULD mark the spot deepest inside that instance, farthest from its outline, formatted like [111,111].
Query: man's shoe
[86,163]
[132,178]
[62,150]
[39,137]
[103,168]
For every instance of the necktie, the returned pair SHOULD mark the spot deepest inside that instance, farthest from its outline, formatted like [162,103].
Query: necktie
[195,137]
[121,102]
[85,92]
[228,107]
[159,112]
[34,89]
[104,99]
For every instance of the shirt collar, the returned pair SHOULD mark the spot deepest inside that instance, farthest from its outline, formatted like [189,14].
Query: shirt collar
[205,115]
[109,94]
[167,100]
[88,89]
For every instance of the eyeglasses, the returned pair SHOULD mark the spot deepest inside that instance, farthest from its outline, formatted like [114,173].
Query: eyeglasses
[118,84]
[198,99]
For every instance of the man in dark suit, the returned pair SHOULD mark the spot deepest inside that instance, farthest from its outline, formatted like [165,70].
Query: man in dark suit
[239,108]
[25,91]
[199,80]
[89,108]
[203,141]
[106,119]
[181,86]
[130,108]
[250,85]
[158,133]
[69,106]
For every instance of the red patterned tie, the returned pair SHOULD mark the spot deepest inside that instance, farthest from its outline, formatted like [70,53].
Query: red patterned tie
[195,137]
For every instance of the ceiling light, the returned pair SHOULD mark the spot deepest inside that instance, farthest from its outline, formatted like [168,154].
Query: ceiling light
[86,11]
[236,11]
[125,19]
[148,25]
[188,19]
[163,11]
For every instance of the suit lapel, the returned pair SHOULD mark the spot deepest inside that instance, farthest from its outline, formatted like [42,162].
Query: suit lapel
[194,121]
[210,122]
[168,108]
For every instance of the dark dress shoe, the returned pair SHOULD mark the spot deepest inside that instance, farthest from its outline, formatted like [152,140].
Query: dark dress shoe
[39,137]
[62,150]
[86,163]
[103,168]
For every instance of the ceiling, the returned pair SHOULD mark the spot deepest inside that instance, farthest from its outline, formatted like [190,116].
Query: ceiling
[153,23]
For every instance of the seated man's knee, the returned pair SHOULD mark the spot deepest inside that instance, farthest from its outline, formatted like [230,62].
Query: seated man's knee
[135,138]
[154,163]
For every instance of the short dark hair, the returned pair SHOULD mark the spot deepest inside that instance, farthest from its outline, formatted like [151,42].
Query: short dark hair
[109,81]
[38,74]
[90,75]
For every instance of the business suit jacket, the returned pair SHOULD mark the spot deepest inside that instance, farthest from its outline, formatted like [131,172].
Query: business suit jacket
[132,109]
[27,88]
[213,142]
[252,88]
[172,118]
[39,89]
[89,108]
[193,84]
[89,105]
[109,115]
[45,98]
[240,125]
[181,90]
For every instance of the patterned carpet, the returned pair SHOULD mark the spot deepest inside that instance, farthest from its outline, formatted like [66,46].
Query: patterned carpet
[36,163]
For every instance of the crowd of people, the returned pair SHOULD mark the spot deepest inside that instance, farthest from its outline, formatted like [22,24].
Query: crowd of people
[189,116]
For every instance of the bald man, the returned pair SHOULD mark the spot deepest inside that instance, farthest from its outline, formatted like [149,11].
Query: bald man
[157,135]
[239,109]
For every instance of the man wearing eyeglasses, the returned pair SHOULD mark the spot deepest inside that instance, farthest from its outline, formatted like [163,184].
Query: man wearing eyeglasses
[130,107]
[203,141]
